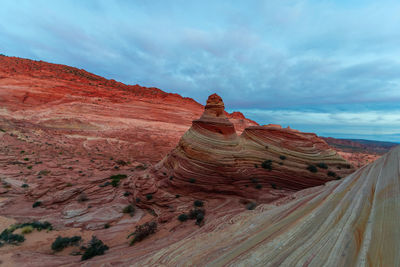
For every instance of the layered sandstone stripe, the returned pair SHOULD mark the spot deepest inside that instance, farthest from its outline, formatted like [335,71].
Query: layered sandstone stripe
[353,222]
[210,156]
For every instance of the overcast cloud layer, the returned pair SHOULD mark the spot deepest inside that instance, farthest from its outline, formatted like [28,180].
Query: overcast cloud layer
[330,67]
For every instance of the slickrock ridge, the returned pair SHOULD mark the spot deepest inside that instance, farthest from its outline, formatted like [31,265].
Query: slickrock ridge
[353,222]
[263,163]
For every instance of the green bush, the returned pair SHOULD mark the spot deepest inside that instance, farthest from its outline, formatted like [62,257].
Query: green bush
[198,203]
[183,217]
[251,206]
[322,165]
[198,215]
[258,186]
[36,204]
[115,179]
[62,242]
[26,230]
[142,231]
[312,168]
[282,157]
[274,186]
[129,209]
[96,247]
[177,196]
[8,237]
[24,185]
[192,180]
[267,164]
[149,196]
[332,174]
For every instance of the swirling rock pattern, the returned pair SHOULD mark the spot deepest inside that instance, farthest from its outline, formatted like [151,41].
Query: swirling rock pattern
[211,157]
[353,222]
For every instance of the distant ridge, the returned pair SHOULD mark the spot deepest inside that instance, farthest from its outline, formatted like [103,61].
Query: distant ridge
[360,145]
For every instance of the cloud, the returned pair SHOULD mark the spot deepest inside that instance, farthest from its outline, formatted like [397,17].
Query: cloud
[319,56]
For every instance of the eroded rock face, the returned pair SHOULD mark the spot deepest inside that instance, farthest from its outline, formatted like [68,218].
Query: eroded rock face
[352,222]
[264,162]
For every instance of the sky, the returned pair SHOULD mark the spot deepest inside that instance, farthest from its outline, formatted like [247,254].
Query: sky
[329,67]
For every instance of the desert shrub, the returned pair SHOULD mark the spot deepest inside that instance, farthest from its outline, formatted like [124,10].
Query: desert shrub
[149,196]
[282,157]
[106,226]
[26,159]
[254,180]
[183,217]
[322,165]
[198,215]
[82,197]
[199,218]
[347,166]
[274,186]
[27,229]
[142,231]
[255,166]
[258,186]
[251,206]
[137,200]
[121,162]
[198,203]
[267,164]
[332,174]
[129,209]
[24,185]
[192,180]
[36,204]
[312,168]
[126,194]
[115,183]
[62,242]
[36,225]
[105,184]
[116,178]
[9,238]
[177,196]
[29,167]
[96,247]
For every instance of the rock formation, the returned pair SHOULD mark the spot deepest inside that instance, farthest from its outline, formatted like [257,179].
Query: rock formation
[92,114]
[353,222]
[263,163]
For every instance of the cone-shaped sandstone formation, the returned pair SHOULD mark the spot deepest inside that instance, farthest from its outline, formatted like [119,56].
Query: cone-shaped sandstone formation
[354,222]
[211,157]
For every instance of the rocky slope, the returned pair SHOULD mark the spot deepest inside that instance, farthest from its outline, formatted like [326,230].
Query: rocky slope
[66,133]
[359,152]
[87,112]
[353,222]
[263,163]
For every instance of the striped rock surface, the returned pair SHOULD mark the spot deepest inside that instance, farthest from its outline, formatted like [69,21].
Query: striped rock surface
[352,222]
[211,157]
